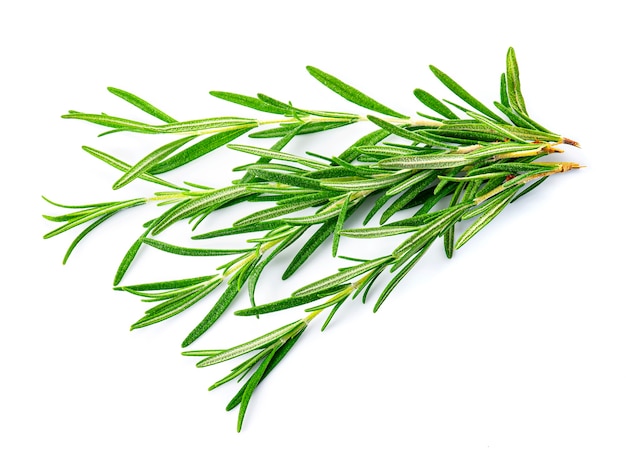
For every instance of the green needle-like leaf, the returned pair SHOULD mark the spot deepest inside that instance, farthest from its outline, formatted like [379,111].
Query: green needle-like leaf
[310,127]
[399,276]
[93,214]
[351,94]
[257,343]
[513,87]
[278,211]
[279,155]
[287,179]
[502,200]
[341,218]
[142,105]
[341,276]
[290,302]
[198,150]
[129,257]
[215,313]
[194,206]
[426,162]
[352,152]
[496,127]
[254,380]
[275,360]
[463,94]
[84,233]
[434,104]
[188,251]
[247,101]
[124,167]
[150,160]
[241,229]
[381,231]
[256,273]
[314,242]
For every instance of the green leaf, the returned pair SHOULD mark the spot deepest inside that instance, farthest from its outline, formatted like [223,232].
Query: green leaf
[409,182]
[203,126]
[199,204]
[315,241]
[505,131]
[288,303]
[326,213]
[434,104]
[342,276]
[275,360]
[173,307]
[398,277]
[380,231]
[332,313]
[278,155]
[257,343]
[84,233]
[388,150]
[358,171]
[507,148]
[247,101]
[351,94]
[124,167]
[502,201]
[256,273]
[514,117]
[484,133]
[431,230]
[279,145]
[426,178]
[278,211]
[463,94]
[146,163]
[241,229]
[426,162]
[379,204]
[167,285]
[529,188]
[288,179]
[254,381]
[242,369]
[198,150]
[129,257]
[121,124]
[311,127]
[448,235]
[341,218]
[142,105]
[513,87]
[188,251]
[504,97]
[376,183]
[215,313]
[92,214]
[352,152]
[415,136]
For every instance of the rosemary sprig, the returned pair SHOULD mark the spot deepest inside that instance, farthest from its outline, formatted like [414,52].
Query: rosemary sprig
[459,164]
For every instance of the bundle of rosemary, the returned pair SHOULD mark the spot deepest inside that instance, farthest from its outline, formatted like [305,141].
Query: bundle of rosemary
[462,162]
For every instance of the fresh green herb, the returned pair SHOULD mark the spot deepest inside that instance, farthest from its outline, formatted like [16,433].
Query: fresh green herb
[466,163]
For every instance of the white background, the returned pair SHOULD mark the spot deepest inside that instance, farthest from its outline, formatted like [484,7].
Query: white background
[515,348]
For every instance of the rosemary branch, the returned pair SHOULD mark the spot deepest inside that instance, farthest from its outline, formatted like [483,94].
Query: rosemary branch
[465,162]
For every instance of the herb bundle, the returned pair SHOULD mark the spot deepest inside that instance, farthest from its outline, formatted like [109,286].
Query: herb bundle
[463,162]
